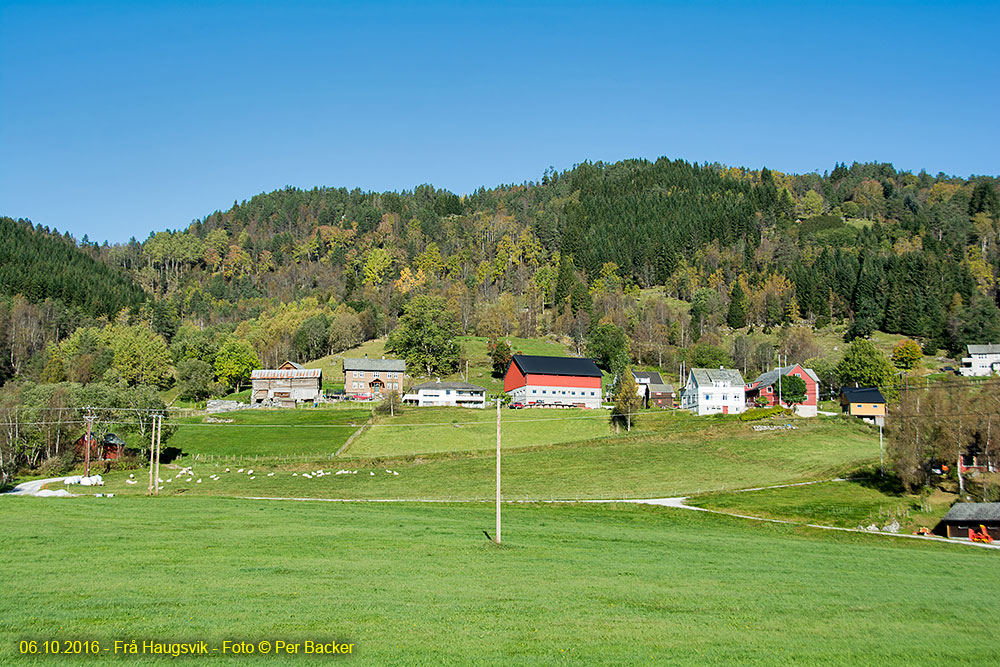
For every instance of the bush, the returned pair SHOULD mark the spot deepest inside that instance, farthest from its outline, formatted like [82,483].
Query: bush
[755,414]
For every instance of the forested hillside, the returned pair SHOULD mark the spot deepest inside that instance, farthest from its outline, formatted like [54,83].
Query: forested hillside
[48,287]
[670,253]
[910,254]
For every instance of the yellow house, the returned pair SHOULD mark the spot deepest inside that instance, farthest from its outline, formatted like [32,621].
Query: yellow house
[865,403]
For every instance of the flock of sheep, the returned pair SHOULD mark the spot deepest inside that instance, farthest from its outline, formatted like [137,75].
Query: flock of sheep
[187,474]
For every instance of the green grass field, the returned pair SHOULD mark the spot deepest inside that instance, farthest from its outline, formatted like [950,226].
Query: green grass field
[419,584]
[843,504]
[429,430]
[682,456]
[318,432]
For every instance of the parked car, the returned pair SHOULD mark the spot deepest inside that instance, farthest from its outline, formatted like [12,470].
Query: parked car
[516,405]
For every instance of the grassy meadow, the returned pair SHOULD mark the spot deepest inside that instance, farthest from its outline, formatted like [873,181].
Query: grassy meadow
[419,584]
[680,455]
[272,433]
[846,504]
[429,430]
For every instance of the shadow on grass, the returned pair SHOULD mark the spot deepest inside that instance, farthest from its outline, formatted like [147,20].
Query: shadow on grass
[887,483]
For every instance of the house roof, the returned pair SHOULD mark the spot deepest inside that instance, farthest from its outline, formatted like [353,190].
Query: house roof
[660,388]
[863,394]
[991,348]
[970,512]
[284,374]
[292,365]
[704,376]
[367,364]
[457,386]
[652,376]
[771,376]
[556,365]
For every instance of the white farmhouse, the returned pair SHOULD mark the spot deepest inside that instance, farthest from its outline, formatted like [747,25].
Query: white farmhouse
[714,391]
[982,360]
[460,394]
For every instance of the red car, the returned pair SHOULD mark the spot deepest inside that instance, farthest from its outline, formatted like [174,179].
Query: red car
[517,405]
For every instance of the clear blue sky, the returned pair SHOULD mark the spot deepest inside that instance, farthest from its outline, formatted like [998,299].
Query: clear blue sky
[121,118]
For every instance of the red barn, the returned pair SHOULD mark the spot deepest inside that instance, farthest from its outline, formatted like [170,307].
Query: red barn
[553,381]
[766,386]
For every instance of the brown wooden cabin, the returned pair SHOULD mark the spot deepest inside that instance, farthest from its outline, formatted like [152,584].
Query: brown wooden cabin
[108,448]
[965,516]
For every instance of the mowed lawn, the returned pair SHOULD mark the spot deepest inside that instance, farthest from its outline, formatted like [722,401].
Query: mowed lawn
[677,460]
[427,430]
[419,584]
[272,433]
[846,504]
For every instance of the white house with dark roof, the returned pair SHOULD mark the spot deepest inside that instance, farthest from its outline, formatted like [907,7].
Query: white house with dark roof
[983,360]
[711,391]
[372,378]
[456,394]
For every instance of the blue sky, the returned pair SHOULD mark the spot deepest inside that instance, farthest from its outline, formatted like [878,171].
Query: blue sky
[117,119]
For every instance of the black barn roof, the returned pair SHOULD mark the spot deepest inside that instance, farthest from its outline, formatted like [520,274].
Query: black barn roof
[973,512]
[863,395]
[556,365]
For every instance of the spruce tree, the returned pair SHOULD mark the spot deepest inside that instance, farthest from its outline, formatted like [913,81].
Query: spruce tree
[738,303]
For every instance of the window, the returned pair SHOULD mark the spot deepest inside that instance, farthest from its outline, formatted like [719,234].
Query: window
[769,390]
[374,374]
[534,391]
[447,392]
[707,397]
[725,397]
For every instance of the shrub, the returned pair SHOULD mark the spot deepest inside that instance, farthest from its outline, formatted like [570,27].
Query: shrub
[756,414]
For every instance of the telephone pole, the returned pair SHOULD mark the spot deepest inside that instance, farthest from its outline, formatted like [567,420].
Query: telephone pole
[152,452]
[498,471]
[159,430]
[86,457]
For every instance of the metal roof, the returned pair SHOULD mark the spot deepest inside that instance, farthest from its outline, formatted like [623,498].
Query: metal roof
[704,376]
[285,374]
[556,365]
[771,376]
[659,388]
[863,394]
[457,386]
[366,364]
[971,512]
[991,348]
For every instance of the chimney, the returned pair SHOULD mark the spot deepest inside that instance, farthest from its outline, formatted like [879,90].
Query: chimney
[383,356]
[366,355]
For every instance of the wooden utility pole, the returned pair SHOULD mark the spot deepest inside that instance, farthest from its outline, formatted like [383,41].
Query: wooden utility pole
[159,430]
[86,457]
[498,471]
[152,451]
[881,453]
